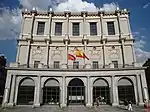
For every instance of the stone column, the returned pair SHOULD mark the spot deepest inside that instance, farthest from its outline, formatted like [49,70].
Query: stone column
[47,54]
[38,92]
[144,86]
[104,53]
[133,54]
[30,36]
[130,34]
[12,91]
[123,53]
[88,104]
[121,39]
[16,91]
[65,62]
[50,56]
[49,37]
[114,91]
[140,99]
[86,61]
[7,89]
[136,93]
[18,53]
[63,92]
[28,53]
[66,39]
[102,26]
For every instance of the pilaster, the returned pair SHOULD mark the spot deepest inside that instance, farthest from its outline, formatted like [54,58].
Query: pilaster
[7,90]
[144,86]
[114,92]
[12,92]
[88,95]
[104,52]
[63,92]
[38,92]
[139,88]
[18,53]
[28,52]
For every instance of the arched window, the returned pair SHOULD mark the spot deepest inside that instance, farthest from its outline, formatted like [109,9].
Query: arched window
[101,91]
[26,92]
[51,92]
[125,90]
[76,91]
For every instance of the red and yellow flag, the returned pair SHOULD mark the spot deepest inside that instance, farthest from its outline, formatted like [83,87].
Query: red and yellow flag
[71,57]
[81,54]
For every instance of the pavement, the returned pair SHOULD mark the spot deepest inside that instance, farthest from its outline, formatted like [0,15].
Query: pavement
[72,108]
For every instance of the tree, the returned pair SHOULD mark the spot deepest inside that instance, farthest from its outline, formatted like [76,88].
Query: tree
[2,75]
[147,73]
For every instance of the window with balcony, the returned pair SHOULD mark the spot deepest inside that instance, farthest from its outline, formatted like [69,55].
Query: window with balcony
[41,27]
[58,28]
[75,65]
[93,28]
[115,64]
[75,29]
[36,64]
[56,64]
[111,28]
[95,65]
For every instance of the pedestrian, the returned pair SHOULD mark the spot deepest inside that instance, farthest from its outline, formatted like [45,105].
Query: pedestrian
[126,104]
[97,101]
[145,104]
[130,106]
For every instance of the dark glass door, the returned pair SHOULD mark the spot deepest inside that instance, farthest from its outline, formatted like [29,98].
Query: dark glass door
[26,95]
[126,93]
[51,95]
[102,93]
[76,94]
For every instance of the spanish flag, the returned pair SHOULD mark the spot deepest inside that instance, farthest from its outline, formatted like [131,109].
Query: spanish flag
[81,54]
[71,57]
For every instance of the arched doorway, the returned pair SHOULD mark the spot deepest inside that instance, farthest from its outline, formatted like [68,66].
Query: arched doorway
[76,92]
[51,92]
[101,91]
[26,92]
[125,90]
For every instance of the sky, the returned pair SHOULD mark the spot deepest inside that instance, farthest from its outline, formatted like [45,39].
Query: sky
[10,20]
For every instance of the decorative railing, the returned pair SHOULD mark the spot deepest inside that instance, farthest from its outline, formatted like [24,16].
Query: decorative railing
[74,67]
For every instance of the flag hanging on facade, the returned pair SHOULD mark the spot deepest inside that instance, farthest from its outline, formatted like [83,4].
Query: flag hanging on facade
[81,54]
[71,57]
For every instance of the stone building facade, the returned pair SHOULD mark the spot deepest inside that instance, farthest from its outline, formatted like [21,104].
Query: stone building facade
[105,70]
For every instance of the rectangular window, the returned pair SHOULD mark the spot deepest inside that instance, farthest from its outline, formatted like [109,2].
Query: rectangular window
[115,64]
[58,28]
[41,27]
[56,64]
[36,64]
[75,65]
[93,28]
[111,28]
[95,64]
[75,29]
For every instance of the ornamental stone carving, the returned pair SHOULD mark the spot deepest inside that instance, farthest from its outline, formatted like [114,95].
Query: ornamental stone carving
[37,52]
[113,53]
[57,54]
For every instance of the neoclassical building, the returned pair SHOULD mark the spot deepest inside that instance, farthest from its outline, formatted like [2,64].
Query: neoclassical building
[68,58]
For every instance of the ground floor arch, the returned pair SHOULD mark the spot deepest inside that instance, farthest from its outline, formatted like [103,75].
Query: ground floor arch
[76,92]
[126,90]
[51,92]
[101,92]
[26,92]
